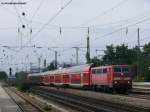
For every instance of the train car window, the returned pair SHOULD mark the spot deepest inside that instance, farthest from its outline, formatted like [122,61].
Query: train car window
[104,70]
[99,71]
[117,69]
[125,69]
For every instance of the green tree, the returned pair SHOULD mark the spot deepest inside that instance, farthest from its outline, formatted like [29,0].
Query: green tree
[146,50]
[109,57]
[96,61]
[145,62]
[21,81]
[65,65]
[51,66]
[3,75]
[122,55]
[117,55]
[21,76]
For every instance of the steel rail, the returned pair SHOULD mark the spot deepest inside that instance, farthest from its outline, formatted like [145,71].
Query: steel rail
[27,101]
[72,103]
[87,102]
[20,107]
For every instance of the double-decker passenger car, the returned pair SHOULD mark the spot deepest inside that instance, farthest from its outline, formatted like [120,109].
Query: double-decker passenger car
[112,77]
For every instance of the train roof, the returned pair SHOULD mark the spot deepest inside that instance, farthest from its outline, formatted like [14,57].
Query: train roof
[37,74]
[74,69]
[109,66]
[80,68]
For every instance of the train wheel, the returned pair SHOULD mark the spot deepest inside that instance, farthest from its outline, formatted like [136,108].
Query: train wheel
[94,87]
[113,91]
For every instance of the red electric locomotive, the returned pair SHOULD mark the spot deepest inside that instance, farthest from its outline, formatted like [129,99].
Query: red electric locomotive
[112,77]
[115,77]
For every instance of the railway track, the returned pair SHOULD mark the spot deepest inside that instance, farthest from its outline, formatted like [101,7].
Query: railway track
[84,104]
[25,104]
[140,90]
[140,95]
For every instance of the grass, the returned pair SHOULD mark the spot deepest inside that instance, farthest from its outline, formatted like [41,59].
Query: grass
[47,107]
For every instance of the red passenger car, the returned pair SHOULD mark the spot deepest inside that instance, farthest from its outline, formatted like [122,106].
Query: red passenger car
[80,75]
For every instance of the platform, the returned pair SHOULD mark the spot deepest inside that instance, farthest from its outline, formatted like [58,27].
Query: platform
[6,103]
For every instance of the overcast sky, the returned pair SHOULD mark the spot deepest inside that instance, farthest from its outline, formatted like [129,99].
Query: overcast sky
[102,17]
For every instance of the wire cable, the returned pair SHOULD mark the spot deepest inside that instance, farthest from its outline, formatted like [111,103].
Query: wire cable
[107,34]
[141,21]
[17,12]
[37,9]
[51,19]
[104,13]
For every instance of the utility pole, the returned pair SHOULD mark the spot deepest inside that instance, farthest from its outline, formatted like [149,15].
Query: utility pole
[31,67]
[56,59]
[39,61]
[77,56]
[88,48]
[16,68]
[138,53]
[21,39]
[138,31]
[30,35]
[44,63]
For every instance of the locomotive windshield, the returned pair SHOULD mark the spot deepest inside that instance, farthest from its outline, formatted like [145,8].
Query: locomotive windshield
[121,69]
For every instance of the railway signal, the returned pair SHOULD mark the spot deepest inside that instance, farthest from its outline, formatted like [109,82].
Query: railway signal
[10,71]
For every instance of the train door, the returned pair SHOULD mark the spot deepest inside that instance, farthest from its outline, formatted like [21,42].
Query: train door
[109,75]
[76,78]
[86,78]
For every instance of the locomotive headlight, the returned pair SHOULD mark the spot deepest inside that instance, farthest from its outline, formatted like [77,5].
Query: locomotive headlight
[128,82]
[115,82]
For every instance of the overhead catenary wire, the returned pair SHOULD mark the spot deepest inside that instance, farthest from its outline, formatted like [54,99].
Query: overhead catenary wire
[142,39]
[104,13]
[130,25]
[51,19]
[9,11]
[85,27]
[17,12]
[117,30]
[118,38]
[36,11]
[128,20]
[110,33]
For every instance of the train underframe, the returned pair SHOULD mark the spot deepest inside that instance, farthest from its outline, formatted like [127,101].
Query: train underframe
[106,88]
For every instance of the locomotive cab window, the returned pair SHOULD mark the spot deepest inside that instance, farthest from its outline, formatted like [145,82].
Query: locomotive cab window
[117,69]
[121,69]
[125,69]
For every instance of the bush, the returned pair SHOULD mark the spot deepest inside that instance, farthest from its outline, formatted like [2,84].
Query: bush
[47,107]
[23,87]
[3,75]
